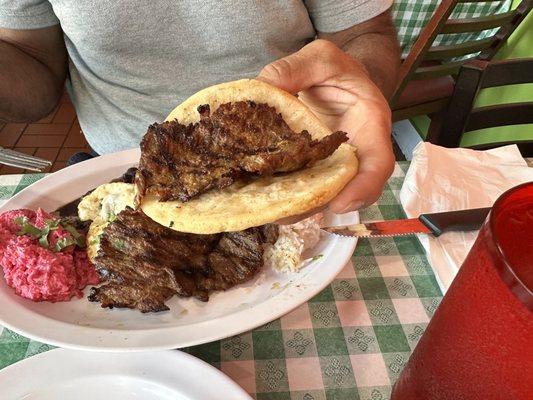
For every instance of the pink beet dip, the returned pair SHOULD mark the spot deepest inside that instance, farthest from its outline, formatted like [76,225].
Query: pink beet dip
[41,257]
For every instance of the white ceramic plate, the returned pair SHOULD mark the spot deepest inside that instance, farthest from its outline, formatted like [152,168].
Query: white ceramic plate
[70,374]
[80,324]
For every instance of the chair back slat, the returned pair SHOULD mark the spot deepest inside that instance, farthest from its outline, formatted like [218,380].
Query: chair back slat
[423,49]
[500,115]
[472,1]
[477,24]
[434,71]
[506,30]
[422,44]
[461,116]
[512,72]
[445,52]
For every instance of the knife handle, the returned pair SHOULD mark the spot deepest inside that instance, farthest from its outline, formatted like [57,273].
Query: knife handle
[464,220]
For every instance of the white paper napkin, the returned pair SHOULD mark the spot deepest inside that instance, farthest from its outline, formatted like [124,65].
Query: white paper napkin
[442,179]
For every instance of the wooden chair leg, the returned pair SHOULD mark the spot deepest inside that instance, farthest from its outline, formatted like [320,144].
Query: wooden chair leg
[435,126]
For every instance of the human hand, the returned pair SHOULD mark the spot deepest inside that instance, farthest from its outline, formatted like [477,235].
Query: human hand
[338,90]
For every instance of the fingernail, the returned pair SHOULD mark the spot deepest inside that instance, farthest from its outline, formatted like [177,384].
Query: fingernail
[354,205]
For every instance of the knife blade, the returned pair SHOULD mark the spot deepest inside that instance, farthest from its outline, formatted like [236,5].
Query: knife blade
[434,224]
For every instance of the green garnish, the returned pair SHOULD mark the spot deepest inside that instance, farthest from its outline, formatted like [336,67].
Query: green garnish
[112,216]
[79,239]
[27,228]
[63,243]
[42,234]
[43,241]
[53,224]
[317,257]
[119,244]
[49,225]
[171,224]
[96,240]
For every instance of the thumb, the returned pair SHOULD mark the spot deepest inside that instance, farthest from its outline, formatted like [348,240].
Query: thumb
[284,73]
[310,66]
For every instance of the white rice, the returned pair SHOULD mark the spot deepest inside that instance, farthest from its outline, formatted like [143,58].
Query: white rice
[286,254]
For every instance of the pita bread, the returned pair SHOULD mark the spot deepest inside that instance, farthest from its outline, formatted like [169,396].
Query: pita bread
[267,199]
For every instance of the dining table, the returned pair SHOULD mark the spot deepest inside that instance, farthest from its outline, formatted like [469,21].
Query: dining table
[350,341]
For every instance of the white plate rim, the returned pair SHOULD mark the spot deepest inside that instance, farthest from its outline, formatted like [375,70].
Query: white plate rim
[63,359]
[62,334]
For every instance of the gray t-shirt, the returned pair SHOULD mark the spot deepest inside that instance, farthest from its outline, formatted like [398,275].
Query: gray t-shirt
[133,61]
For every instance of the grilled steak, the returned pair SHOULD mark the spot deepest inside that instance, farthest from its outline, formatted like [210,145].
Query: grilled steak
[238,140]
[145,263]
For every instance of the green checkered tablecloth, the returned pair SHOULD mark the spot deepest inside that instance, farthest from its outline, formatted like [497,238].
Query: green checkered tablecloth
[411,16]
[349,342]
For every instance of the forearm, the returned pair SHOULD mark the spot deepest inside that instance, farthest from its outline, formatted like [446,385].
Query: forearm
[381,58]
[373,43]
[29,90]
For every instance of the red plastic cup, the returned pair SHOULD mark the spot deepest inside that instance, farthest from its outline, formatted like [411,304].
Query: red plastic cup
[479,343]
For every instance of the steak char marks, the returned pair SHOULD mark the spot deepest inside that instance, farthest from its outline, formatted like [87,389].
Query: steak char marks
[144,263]
[238,140]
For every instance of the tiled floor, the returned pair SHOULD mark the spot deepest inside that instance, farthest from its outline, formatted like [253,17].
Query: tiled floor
[54,138]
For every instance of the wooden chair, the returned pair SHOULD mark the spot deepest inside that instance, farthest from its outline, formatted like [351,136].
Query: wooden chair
[427,75]
[461,116]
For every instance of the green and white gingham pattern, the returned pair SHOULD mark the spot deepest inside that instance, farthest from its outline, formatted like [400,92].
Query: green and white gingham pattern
[411,16]
[349,342]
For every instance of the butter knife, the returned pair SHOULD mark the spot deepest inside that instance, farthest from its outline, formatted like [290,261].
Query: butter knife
[432,224]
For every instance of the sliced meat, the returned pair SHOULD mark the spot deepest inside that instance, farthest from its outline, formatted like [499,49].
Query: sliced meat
[144,263]
[138,240]
[269,233]
[128,176]
[238,140]
[234,260]
[136,294]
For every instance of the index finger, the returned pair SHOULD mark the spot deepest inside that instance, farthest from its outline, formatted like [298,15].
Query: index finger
[376,166]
